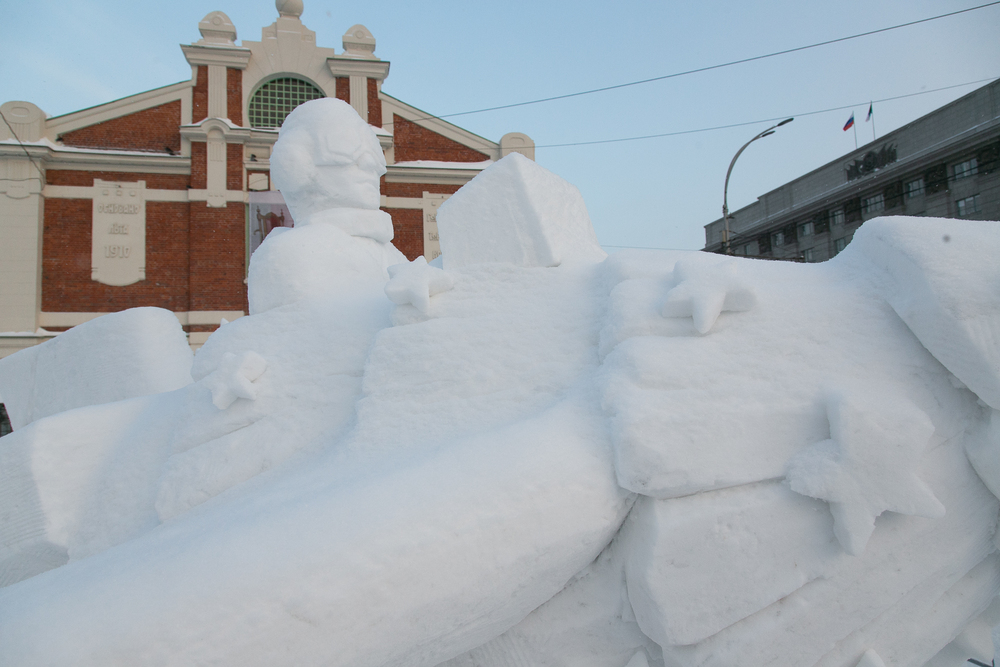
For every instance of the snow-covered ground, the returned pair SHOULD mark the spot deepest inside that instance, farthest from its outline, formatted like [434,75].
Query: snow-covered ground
[526,453]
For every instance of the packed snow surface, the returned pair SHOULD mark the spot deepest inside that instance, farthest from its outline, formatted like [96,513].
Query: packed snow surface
[528,454]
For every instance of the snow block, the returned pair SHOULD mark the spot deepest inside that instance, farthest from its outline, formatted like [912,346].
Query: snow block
[700,563]
[942,278]
[517,212]
[411,562]
[135,352]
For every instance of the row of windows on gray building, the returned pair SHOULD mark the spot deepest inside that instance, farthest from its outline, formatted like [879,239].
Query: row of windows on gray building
[945,164]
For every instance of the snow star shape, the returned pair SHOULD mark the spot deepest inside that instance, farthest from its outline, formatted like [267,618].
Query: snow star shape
[416,283]
[702,291]
[868,465]
[234,378]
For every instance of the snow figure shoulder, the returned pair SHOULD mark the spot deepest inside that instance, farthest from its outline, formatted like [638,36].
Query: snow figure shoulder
[327,163]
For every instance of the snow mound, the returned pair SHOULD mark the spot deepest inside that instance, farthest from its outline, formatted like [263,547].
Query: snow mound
[518,212]
[134,352]
[943,279]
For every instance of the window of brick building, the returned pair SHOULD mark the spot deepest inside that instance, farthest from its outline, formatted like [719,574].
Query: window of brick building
[807,229]
[809,255]
[837,217]
[275,100]
[778,238]
[965,169]
[839,245]
[874,204]
[967,206]
[915,188]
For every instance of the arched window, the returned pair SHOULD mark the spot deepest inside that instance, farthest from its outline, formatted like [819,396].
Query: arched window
[276,99]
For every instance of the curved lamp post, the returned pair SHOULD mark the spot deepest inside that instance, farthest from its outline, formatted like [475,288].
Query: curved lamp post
[725,192]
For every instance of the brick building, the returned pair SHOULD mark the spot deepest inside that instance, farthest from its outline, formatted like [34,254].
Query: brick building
[158,199]
[945,164]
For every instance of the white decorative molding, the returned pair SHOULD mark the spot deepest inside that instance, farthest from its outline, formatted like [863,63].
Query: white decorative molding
[359,96]
[359,42]
[26,119]
[87,192]
[194,317]
[217,103]
[369,69]
[235,57]
[401,202]
[432,242]
[516,142]
[21,212]
[433,176]
[217,29]
[118,240]
[287,48]
[226,196]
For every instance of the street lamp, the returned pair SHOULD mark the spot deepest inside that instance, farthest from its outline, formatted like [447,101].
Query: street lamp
[725,192]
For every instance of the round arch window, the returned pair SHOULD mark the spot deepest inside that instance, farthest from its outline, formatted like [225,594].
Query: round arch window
[275,100]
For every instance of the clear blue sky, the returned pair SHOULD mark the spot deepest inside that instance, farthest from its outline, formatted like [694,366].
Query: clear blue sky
[452,56]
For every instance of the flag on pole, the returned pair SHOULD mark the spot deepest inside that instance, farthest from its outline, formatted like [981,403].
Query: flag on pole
[871,112]
[849,124]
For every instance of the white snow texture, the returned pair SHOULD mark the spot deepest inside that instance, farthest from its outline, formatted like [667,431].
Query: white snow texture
[533,455]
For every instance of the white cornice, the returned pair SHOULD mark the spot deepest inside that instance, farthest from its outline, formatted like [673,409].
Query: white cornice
[81,159]
[439,176]
[72,319]
[87,192]
[371,69]
[232,133]
[236,57]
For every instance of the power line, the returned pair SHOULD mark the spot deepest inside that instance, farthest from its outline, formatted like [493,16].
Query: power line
[18,139]
[708,68]
[760,121]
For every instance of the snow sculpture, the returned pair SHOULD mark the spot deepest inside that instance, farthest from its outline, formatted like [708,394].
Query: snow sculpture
[416,282]
[703,290]
[235,378]
[542,468]
[516,211]
[135,352]
[327,164]
[869,464]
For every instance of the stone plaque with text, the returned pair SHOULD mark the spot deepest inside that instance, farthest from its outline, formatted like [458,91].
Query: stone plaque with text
[118,250]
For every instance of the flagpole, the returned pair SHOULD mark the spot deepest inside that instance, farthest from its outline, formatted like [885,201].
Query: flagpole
[873,122]
[855,126]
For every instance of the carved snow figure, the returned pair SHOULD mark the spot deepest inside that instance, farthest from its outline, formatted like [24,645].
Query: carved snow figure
[327,164]
[552,458]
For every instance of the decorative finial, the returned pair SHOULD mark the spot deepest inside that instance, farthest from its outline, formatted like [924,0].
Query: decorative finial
[359,42]
[216,28]
[290,8]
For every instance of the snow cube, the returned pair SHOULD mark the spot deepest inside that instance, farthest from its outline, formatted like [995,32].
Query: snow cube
[520,213]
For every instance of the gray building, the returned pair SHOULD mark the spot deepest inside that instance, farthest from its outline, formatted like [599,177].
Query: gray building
[945,164]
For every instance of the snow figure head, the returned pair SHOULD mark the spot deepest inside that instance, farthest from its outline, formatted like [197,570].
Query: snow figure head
[326,157]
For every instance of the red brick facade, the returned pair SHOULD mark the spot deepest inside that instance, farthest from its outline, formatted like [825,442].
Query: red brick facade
[413,142]
[374,104]
[416,189]
[195,255]
[344,89]
[217,257]
[199,95]
[408,231]
[66,261]
[156,129]
[234,95]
